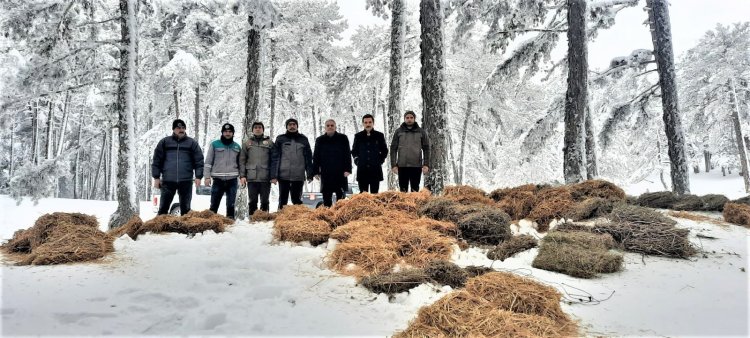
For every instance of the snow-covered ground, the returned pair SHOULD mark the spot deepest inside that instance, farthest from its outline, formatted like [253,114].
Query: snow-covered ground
[241,283]
[700,184]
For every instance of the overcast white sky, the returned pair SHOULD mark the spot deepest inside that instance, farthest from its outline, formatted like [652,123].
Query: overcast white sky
[690,20]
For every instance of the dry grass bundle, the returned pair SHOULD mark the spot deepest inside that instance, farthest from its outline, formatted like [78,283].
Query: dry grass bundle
[743,200]
[474,270]
[361,205]
[485,227]
[462,314]
[517,203]
[570,226]
[466,195]
[439,208]
[507,291]
[69,243]
[659,199]
[372,225]
[651,240]
[512,246]
[193,223]
[130,228]
[688,202]
[447,273]
[737,213]
[713,202]
[499,194]
[262,216]
[550,209]
[640,215]
[395,282]
[294,212]
[578,254]
[552,193]
[314,231]
[323,214]
[695,217]
[24,241]
[589,208]
[597,188]
[446,228]
[373,250]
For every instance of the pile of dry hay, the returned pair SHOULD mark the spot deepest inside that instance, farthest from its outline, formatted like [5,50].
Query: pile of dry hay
[511,247]
[59,238]
[477,223]
[437,272]
[543,204]
[578,254]
[669,200]
[262,216]
[496,304]
[737,213]
[639,215]
[667,241]
[194,222]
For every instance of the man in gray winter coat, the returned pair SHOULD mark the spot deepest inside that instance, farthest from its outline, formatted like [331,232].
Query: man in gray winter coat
[255,168]
[175,159]
[291,163]
[222,165]
[410,153]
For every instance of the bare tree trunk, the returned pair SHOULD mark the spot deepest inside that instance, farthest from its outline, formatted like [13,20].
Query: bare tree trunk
[206,137]
[108,165]
[63,129]
[592,169]
[576,97]
[707,160]
[433,90]
[34,131]
[395,97]
[274,72]
[50,127]
[461,163]
[741,149]
[661,34]
[77,177]
[197,113]
[12,139]
[176,98]
[315,122]
[127,198]
[661,168]
[252,100]
[101,162]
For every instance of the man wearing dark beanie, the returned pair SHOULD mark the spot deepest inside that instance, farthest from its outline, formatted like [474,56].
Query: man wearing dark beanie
[176,158]
[222,169]
[255,168]
[291,163]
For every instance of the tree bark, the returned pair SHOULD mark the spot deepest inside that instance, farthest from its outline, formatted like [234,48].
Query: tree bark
[734,102]
[576,96]
[50,132]
[34,131]
[707,160]
[661,36]
[101,161]
[61,140]
[592,168]
[395,96]
[127,198]
[176,99]
[197,113]
[77,177]
[433,90]
[469,104]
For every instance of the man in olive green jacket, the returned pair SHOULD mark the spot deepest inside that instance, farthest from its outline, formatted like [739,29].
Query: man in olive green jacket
[410,153]
[255,167]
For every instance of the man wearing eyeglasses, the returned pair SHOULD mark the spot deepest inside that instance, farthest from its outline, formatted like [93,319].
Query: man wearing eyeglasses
[332,163]
[175,159]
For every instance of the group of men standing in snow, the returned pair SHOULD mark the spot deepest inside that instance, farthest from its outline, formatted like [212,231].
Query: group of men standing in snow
[178,162]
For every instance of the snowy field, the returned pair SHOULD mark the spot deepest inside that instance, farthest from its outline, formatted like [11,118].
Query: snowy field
[241,283]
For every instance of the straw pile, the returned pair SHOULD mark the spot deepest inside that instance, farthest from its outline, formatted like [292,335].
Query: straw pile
[597,189]
[737,213]
[552,203]
[194,222]
[467,195]
[395,282]
[589,208]
[59,238]
[639,215]
[494,305]
[666,241]
[511,247]
[485,227]
[447,273]
[578,254]
[262,216]
[669,200]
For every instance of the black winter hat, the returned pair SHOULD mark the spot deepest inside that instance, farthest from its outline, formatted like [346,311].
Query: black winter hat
[178,123]
[286,124]
[256,123]
[227,126]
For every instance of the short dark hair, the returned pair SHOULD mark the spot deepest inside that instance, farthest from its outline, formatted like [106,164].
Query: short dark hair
[258,123]
[368,116]
[409,112]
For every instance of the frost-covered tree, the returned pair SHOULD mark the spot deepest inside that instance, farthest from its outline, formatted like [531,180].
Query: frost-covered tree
[576,96]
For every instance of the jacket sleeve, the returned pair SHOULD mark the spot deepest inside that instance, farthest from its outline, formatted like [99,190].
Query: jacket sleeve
[157,162]
[425,148]
[383,151]
[209,160]
[197,160]
[347,158]
[243,158]
[316,158]
[275,158]
[394,149]
[355,150]
[308,159]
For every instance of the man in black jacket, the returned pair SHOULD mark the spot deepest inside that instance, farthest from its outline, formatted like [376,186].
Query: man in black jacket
[369,152]
[332,163]
[175,159]
[291,161]
[410,153]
